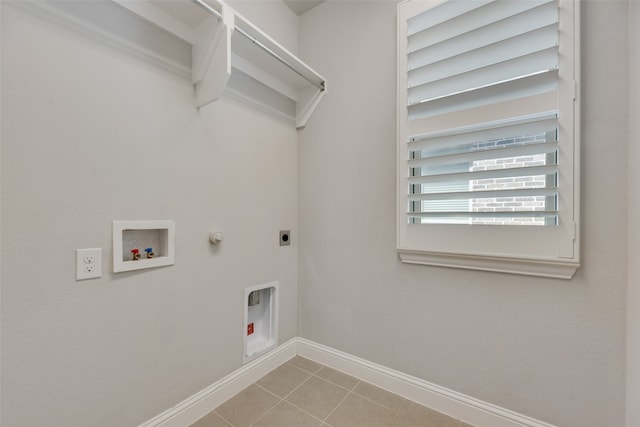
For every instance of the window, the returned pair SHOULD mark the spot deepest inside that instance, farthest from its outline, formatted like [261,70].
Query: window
[488,135]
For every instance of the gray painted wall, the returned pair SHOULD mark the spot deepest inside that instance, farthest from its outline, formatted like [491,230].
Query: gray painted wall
[550,349]
[84,125]
[89,135]
[633,303]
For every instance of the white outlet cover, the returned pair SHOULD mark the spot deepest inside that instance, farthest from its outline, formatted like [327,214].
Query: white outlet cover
[88,263]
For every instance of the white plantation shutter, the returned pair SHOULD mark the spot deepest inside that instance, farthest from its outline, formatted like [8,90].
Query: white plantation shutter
[519,158]
[486,128]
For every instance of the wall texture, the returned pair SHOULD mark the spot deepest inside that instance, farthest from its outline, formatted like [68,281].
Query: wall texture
[633,295]
[550,349]
[91,134]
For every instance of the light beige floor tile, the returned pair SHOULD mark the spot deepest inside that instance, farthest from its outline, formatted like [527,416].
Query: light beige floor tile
[414,415]
[317,396]
[211,420]
[285,415]
[305,364]
[284,379]
[381,397]
[337,377]
[322,395]
[356,411]
[247,406]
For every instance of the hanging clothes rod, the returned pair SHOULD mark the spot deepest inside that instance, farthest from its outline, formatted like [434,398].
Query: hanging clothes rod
[208,8]
[205,6]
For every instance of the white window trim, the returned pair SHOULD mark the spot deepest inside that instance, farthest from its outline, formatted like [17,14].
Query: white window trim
[563,267]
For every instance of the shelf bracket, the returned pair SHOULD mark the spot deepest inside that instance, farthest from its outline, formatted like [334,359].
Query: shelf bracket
[211,55]
[308,101]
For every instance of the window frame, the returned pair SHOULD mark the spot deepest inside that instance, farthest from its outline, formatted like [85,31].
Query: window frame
[550,251]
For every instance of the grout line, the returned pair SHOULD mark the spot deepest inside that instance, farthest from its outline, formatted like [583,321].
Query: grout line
[311,375]
[302,369]
[302,410]
[339,403]
[265,412]
[338,385]
[395,411]
[280,400]
[296,388]
[349,391]
[226,420]
[283,399]
[268,391]
[298,368]
[336,407]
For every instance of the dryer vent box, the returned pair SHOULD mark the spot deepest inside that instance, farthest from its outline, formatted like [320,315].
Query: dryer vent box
[260,331]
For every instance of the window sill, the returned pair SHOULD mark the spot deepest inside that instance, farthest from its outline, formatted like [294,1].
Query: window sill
[553,268]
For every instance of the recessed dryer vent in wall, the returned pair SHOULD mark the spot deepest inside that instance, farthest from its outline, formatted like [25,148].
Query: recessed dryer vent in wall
[143,244]
[260,332]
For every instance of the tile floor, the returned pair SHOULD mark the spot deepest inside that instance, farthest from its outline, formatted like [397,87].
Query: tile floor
[303,393]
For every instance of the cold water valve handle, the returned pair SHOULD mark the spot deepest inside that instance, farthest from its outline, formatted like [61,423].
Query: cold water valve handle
[149,252]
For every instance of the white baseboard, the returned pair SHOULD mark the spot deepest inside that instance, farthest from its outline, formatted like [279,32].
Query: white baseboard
[200,404]
[452,403]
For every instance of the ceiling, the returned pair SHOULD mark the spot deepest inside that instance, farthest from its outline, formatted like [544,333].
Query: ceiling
[301,6]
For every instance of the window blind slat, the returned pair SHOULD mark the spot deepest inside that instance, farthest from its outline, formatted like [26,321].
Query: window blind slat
[466,195]
[531,125]
[442,13]
[532,21]
[497,153]
[499,113]
[487,75]
[490,15]
[506,123]
[548,169]
[491,214]
[504,91]
[499,52]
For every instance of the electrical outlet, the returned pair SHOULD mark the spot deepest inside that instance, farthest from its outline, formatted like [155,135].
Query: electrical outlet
[285,237]
[88,263]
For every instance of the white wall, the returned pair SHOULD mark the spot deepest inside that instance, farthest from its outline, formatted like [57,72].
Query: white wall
[633,303]
[550,349]
[89,135]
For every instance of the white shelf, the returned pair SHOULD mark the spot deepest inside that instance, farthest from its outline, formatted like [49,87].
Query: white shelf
[221,51]
[231,55]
